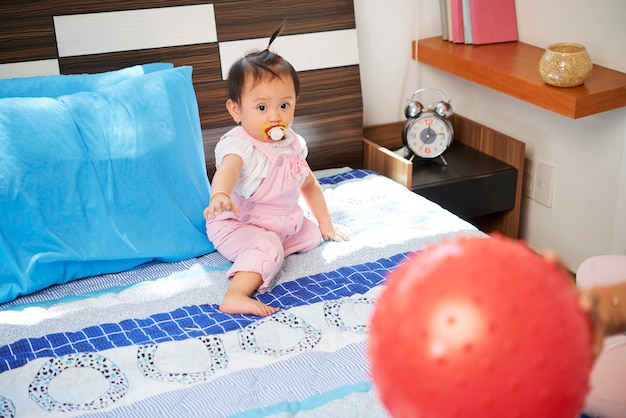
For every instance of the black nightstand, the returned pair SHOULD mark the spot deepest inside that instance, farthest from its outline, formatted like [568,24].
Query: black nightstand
[471,185]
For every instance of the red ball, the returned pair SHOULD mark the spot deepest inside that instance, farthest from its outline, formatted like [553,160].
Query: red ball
[480,327]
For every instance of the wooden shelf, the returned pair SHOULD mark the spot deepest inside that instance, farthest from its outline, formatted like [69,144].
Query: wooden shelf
[513,68]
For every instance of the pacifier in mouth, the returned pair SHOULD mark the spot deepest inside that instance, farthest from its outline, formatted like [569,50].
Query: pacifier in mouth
[275,132]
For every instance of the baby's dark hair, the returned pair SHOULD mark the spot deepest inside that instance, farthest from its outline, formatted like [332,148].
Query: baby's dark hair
[259,64]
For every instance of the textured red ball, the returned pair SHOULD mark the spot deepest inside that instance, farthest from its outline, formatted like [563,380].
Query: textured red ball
[480,327]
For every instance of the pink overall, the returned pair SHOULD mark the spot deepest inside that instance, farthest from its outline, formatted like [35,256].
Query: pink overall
[271,225]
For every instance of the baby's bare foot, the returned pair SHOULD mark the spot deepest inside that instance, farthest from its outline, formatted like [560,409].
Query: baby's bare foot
[241,304]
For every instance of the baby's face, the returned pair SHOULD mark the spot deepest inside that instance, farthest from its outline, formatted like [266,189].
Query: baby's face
[267,103]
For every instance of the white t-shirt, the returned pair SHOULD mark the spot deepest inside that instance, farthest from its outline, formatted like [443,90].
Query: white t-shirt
[256,166]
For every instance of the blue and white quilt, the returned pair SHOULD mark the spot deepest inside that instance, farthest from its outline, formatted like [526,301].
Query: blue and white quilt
[151,342]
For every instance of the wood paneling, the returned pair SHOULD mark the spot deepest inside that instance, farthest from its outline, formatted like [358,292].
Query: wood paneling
[204,59]
[27,39]
[134,30]
[381,160]
[305,51]
[212,103]
[333,89]
[10,9]
[388,135]
[260,18]
[331,138]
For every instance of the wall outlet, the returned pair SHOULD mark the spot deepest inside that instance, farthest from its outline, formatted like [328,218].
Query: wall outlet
[544,183]
[528,181]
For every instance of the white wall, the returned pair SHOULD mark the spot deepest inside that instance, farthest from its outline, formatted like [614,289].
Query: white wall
[588,213]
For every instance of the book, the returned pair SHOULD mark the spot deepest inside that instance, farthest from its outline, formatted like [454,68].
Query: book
[493,21]
[443,11]
[449,17]
[458,33]
[467,22]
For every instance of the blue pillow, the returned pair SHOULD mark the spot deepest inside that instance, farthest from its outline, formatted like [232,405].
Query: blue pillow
[58,85]
[99,182]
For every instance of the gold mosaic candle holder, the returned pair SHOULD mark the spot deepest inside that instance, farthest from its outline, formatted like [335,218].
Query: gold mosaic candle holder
[565,65]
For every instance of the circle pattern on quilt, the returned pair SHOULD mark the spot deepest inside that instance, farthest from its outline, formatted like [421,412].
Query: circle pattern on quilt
[7,409]
[332,313]
[38,389]
[147,365]
[312,336]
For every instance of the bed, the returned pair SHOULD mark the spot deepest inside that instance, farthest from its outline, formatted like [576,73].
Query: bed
[109,287]
[151,342]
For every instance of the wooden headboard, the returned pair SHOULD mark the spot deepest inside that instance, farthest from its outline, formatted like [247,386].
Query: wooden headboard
[41,37]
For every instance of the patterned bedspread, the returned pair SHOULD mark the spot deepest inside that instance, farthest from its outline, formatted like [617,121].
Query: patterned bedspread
[150,342]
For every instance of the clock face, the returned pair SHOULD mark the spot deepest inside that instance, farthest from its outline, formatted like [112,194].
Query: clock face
[428,136]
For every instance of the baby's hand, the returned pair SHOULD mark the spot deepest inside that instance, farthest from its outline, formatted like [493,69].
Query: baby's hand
[589,301]
[220,202]
[334,234]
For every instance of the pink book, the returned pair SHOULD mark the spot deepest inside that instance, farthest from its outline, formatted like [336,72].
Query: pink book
[493,21]
[456,14]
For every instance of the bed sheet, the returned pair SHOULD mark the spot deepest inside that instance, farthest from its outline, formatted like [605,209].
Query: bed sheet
[151,341]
